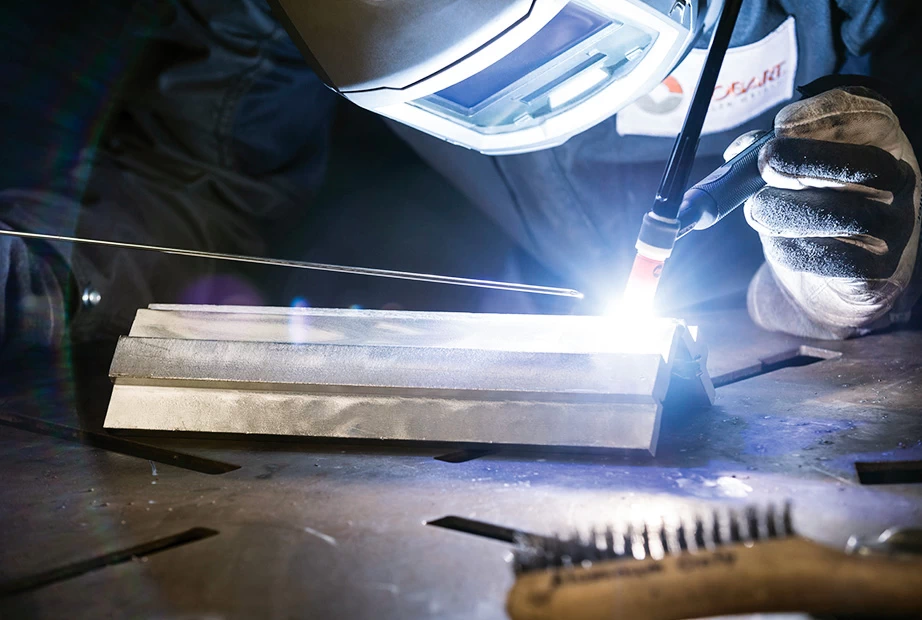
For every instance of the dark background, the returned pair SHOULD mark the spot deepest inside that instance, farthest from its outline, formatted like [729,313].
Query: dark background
[379,206]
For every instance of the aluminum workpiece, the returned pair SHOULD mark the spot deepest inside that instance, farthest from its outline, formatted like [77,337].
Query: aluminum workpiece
[421,376]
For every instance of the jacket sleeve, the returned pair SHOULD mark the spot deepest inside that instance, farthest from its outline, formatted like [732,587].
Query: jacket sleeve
[207,133]
[884,36]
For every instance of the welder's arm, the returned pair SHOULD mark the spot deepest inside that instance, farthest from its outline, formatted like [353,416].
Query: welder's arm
[838,220]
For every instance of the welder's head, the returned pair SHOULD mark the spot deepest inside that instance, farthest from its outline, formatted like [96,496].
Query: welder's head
[497,76]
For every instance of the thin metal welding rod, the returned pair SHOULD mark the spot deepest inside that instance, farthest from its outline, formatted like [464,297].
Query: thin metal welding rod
[278,262]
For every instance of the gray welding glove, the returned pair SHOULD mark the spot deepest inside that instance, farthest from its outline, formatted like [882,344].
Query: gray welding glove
[838,220]
[34,276]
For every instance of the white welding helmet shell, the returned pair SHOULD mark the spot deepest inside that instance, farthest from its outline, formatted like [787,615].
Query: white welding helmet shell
[497,76]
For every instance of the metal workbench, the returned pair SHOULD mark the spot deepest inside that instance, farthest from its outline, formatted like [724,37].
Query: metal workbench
[325,530]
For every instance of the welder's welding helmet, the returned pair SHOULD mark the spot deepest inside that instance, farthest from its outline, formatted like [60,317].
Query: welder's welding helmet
[497,76]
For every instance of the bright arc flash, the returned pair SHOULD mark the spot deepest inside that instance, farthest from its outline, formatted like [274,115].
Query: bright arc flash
[640,290]
[632,329]
[633,323]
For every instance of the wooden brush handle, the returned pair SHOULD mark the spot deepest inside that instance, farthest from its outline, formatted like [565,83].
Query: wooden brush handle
[793,574]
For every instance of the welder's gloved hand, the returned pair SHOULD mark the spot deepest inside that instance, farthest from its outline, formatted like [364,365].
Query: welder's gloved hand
[838,220]
[32,296]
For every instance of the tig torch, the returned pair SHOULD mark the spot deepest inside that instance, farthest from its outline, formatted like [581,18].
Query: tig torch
[709,200]
[702,206]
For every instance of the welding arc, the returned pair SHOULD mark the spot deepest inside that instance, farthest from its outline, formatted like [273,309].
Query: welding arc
[278,262]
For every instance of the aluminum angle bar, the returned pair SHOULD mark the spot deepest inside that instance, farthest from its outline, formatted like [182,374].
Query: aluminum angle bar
[368,374]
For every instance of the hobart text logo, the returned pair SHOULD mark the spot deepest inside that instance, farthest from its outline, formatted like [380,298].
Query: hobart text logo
[749,85]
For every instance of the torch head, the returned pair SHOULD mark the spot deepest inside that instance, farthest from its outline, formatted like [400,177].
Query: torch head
[642,284]
[654,245]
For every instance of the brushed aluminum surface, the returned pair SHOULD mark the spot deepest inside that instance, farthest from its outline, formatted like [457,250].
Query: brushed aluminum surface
[442,377]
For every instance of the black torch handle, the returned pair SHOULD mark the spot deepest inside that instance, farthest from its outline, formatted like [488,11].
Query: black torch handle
[667,203]
[722,191]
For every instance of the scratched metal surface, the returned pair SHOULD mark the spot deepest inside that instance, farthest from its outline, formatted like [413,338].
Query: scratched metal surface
[579,381]
[325,530]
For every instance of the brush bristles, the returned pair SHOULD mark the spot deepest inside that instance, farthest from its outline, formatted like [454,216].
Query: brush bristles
[633,541]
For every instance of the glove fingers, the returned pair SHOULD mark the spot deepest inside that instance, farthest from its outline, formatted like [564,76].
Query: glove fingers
[803,161]
[843,117]
[829,258]
[821,213]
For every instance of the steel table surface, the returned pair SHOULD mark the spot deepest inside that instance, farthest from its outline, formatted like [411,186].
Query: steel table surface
[326,530]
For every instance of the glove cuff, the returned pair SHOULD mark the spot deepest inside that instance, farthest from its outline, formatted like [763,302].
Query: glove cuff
[773,309]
